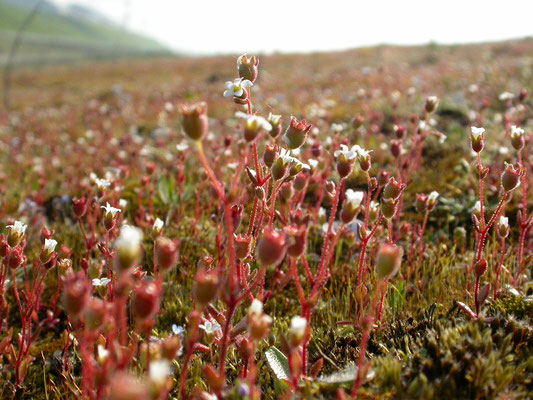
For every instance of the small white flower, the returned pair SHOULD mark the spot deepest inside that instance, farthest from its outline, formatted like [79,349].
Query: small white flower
[362,153]
[477,207]
[50,245]
[337,127]
[102,354]
[97,282]
[181,147]
[503,150]
[177,330]
[313,163]
[477,132]
[159,371]
[433,196]
[504,221]
[285,155]
[354,198]
[298,325]
[506,96]
[254,122]
[236,88]
[256,308]
[274,118]
[158,225]
[102,183]
[111,211]
[350,154]
[517,131]
[18,227]
[129,239]
[209,328]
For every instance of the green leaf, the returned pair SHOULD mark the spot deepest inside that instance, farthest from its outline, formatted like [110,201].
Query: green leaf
[279,364]
[162,190]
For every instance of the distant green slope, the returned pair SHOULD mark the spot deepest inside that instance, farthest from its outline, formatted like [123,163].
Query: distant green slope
[73,30]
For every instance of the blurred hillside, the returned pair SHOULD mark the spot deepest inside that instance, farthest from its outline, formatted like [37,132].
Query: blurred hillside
[53,34]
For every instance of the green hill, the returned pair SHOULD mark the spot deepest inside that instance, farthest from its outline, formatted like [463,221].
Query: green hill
[58,36]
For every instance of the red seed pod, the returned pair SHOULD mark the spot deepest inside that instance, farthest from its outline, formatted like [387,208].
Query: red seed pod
[247,67]
[421,202]
[236,215]
[166,253]
[15,257]
[297,239]
[300,181]
[243,245]
[480,267]
[271,247]
[316,149]
[76,293]
[392,189]
[79,206]
[511,177]
[146,300]
[195,122]
[400,131]
[205,287]
[296,133]
[4,246]
[95,313]
[388,261]
[396,148]
[270,154]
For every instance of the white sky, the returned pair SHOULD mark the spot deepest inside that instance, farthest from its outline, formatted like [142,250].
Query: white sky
[211,26]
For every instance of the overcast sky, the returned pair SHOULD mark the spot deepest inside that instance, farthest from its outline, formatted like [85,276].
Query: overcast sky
[211,26]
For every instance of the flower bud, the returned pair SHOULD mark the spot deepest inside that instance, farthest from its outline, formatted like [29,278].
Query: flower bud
[171,347]
[128,247]
[247,67]
[79,206]
[300,181]
[195,123]
[76,293]
[432,200]
[279,168]
[146,300]
[271,247]
[4,246]
[399,131]
[396,148]
[316,149]
[388,207]
[357,121]
[344,166]
[16,233]
[166,253]
[236,215]
[431,104]
[48,250]
[388,261]
[297,331]
[517,137]
[286,191]
[421,202]
[522,96]
[95,313]
[477,139]
[383,177]
[296,133]
[275,122]
[503,227]
[157,228]
[510,177]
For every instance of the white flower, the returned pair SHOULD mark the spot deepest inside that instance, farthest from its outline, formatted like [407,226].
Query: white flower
[236,88]
[477,207]
[102,354]
[254,122]
[362,153]
[298,325]
[274,118]
[97,282]
[477,132]
[111,211]
[256,308]
[129,239]
[181,147]
[433,196]
[313,163]
[285,155]
[350,154]
[337,127]
[354,198]
[158,225]
[50,245]
[209,328]
[506,96]
[102,183]
[18,227]
[516,131]
[159,371]
[504,221]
